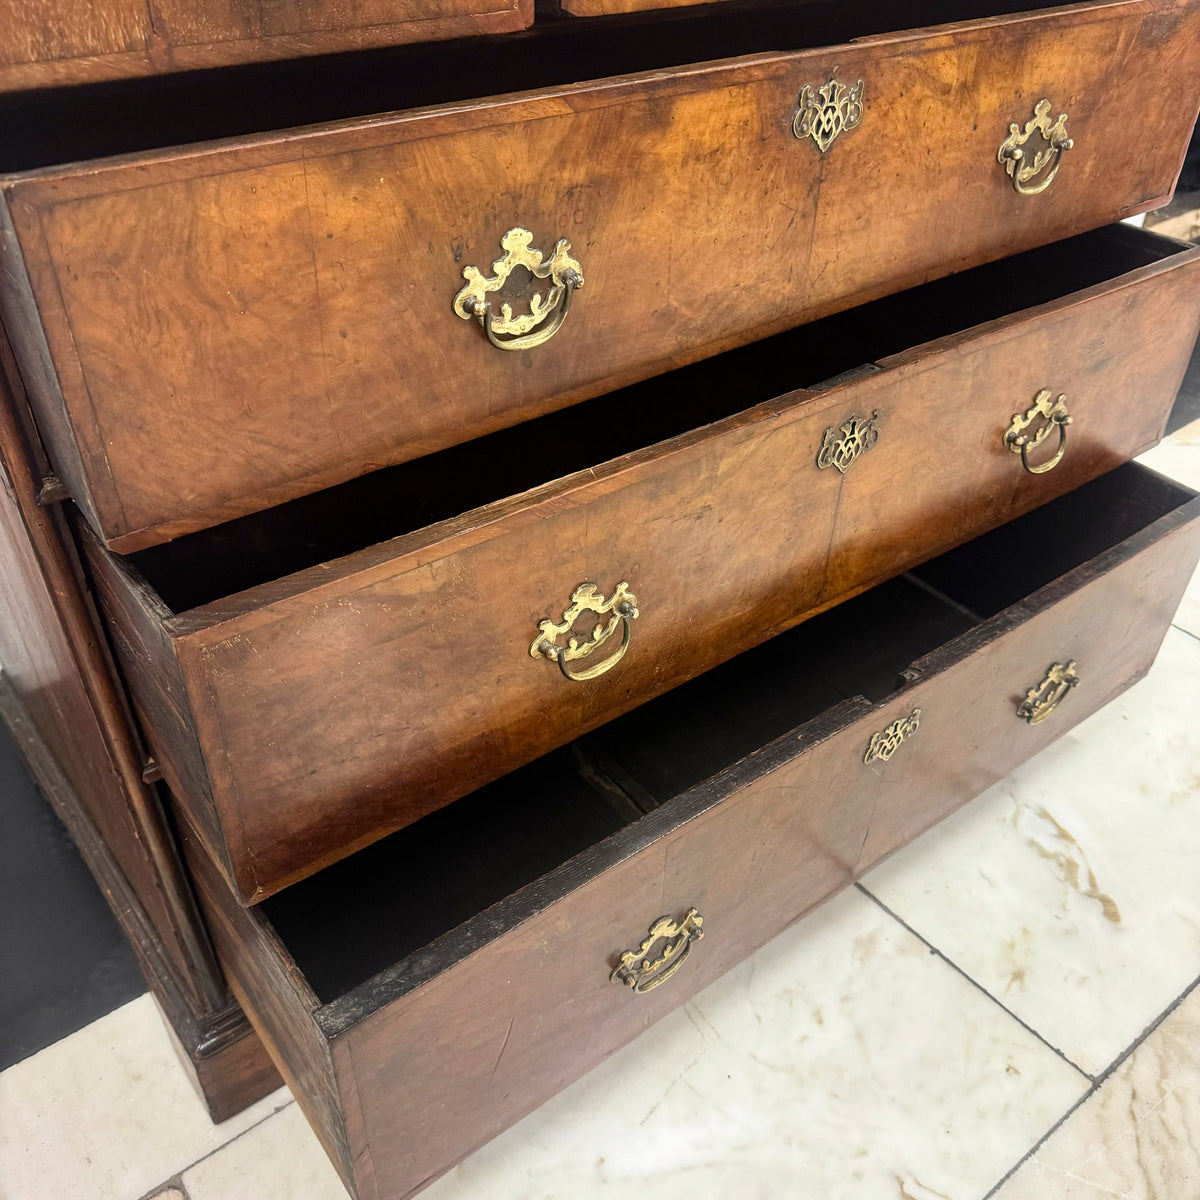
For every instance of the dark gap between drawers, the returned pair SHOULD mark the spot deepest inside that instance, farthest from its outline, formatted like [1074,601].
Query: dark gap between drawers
[64,125]
[387,902]
[341,520]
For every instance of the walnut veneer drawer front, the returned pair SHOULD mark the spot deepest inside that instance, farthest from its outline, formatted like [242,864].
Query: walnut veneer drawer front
[48,43]
[426,994]
[226,326]
[300,716]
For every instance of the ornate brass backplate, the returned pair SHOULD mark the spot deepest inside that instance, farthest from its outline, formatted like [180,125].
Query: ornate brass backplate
[1043,698]
[842,444]
[586,598]
[1044,415]
[546,313]
[1031,176]
[887,741]
[638,970]
[826,112]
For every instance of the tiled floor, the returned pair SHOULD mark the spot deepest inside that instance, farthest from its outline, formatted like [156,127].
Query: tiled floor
[1004,1009]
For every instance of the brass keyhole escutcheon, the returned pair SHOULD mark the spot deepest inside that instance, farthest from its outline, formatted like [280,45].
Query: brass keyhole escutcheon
[1028,430]
[1032,174]
[1044,697]
[824,113]
[504,329]
[622,611]
[648,966]
[842,444]
[887,741]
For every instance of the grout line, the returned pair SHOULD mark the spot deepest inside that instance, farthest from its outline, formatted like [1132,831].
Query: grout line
[974,983]
[176,1182]
[217,1149]
[1100,1081]
[1189,633]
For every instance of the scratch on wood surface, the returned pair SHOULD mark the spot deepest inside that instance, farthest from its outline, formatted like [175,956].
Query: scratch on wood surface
[503,1047]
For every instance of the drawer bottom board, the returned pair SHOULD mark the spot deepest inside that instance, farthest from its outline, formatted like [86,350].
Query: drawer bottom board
[425,994]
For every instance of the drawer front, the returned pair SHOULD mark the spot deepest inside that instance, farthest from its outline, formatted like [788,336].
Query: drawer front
[227,327]
[1111,359]
[44,43]
[305,718]
[448,1063]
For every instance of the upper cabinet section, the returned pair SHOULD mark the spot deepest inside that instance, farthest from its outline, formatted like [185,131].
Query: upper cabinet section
[49,43]
[209,331]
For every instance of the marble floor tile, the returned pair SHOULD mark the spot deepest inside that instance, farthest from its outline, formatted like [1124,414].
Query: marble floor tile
[1071,890]
[842,1061]
[171,1193]
[1138,1136]
[279,1159]
[1179,457]
[106,1114]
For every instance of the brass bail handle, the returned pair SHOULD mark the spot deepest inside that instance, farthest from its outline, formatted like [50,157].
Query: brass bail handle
[1045,414]
[546,313]
[637,969]
[621,610]
[1033,174]
[1044,697]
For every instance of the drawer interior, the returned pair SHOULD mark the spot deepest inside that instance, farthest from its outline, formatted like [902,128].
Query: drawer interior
[227,559]
[463,873]
[66,125]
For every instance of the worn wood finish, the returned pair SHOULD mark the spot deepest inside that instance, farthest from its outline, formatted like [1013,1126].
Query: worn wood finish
[230,325]
[60,702]
[310,715]
[222,1055]
[49,43]
[435,1053]
[61,677]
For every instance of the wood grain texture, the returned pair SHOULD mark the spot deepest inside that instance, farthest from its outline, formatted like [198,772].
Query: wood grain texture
[60,673]
[221,1053]
[60,702]
[278,1001]
[236,324]
[50,43]
[306,717]
[433,1057]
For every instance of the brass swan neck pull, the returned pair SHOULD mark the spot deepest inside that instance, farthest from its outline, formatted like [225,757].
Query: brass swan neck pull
[546,314]
[1032,175]
[1043,698]
[642,969]
[1043,416]
[621,609]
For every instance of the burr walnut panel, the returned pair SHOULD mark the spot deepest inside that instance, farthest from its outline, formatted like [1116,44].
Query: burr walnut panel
[306,694]
[46,43]
[212,330]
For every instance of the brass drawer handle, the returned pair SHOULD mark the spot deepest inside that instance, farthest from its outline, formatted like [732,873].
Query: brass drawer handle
[887,741]
[1032,176]
[1043,698]
[1046,414]
[546,313]
[585,598]
[825,112]
[636,969]
[842,444]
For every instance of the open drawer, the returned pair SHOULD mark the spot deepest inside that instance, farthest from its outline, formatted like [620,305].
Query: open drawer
[214,328]
[424,995]
[313,677]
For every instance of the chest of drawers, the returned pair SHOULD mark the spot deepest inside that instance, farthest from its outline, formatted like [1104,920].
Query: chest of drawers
[552,535]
